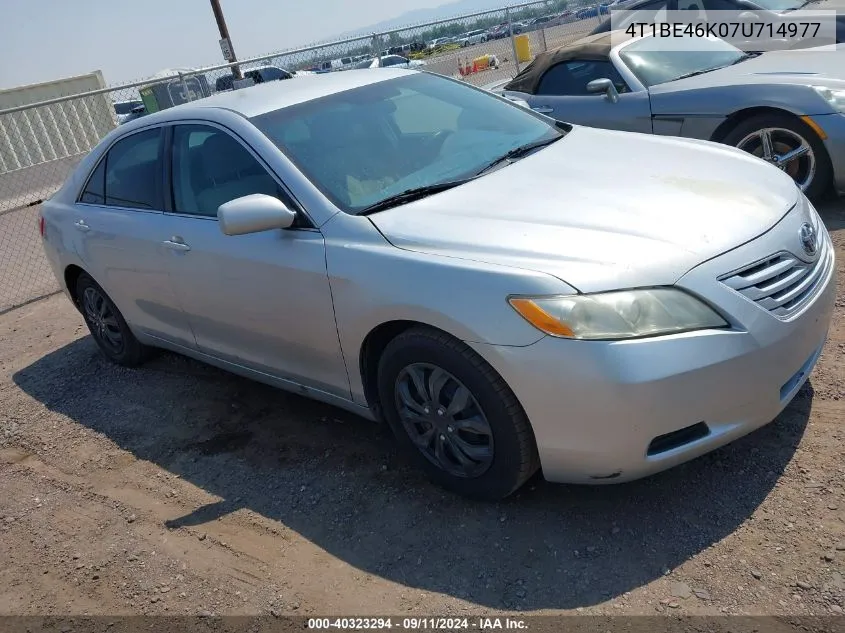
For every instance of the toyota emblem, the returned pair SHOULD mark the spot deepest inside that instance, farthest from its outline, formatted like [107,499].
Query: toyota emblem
[807,235]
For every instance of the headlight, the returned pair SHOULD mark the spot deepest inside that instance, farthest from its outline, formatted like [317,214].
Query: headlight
[617,315]
[836,98]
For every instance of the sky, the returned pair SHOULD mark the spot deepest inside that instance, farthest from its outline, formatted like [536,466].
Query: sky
[128,40]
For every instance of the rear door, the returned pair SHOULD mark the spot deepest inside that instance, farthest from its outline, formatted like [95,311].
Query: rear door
[120,215]
[562,94]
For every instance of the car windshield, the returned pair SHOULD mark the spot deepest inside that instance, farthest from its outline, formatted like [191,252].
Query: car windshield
[656,63]
[365,145]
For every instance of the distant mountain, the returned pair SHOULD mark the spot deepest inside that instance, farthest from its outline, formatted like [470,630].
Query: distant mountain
[422,16]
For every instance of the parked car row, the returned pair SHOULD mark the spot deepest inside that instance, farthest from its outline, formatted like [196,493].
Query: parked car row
[258,75]
[389,61]
[593,11]
[600,330]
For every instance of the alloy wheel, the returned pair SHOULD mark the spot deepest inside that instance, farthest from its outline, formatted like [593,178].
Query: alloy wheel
[443,420]
[102,320]
[786,150]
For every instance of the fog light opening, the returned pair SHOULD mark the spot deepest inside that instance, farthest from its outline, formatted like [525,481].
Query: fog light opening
[676,439]
[610,476]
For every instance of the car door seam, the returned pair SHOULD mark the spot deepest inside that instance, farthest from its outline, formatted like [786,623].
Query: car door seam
[334,314]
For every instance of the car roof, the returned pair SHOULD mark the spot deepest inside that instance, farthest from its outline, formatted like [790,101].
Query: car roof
[592,47]
[274,95]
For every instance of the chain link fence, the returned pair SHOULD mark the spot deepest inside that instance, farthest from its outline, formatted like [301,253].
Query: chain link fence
[42,140]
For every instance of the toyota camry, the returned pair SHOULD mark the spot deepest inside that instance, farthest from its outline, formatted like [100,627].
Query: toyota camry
[419,251]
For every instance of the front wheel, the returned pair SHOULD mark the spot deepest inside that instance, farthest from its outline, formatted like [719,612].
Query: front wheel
[790,145]
[455,415]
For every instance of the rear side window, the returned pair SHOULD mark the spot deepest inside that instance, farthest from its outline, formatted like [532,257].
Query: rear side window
[133,172]
[95,190]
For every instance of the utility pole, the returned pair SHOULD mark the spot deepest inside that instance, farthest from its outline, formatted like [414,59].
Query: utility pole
[224,36]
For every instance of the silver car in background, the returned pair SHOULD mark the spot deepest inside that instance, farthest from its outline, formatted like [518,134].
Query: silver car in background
[507,292]
[784,106]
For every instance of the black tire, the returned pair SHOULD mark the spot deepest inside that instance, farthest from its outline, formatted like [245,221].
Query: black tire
[107,325]
[820,183]
[513,448]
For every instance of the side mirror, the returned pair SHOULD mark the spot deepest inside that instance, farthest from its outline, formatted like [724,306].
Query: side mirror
[254,213]
[606,86]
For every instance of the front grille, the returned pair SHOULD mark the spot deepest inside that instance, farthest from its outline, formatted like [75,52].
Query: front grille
[781,283]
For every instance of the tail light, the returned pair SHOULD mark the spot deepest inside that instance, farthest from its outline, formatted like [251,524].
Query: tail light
[41,225]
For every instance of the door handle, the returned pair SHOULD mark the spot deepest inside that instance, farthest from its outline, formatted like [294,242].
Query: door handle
[175,243]
[542,109]
[80,225]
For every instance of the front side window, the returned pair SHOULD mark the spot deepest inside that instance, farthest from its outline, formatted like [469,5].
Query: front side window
[571,78]
[364,145]
[129,175]
[210,168]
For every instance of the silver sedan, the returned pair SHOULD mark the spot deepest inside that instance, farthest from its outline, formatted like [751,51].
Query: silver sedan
[507,292]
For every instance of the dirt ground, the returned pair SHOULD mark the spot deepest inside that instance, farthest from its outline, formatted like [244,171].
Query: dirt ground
[180,489]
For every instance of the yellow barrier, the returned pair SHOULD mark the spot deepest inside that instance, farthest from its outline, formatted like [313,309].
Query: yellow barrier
[523,48]
[481,63]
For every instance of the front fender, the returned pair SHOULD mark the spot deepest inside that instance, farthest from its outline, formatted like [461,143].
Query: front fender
[374,282]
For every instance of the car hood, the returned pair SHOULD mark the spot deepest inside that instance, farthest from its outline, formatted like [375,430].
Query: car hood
[601,209]
[805,67]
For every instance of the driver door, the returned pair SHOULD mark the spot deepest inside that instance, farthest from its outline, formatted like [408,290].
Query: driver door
[562,94]
[260,300]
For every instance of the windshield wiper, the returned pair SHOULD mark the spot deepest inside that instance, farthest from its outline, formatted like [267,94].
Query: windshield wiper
[695,73]
[745,57]
[518,152]
[409,195]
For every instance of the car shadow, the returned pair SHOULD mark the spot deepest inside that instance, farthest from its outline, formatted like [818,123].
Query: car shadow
[337,480]
[832,212]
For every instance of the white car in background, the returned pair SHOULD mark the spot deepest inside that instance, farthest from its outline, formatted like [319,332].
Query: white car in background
[472,38]
[395,61]
[440,41]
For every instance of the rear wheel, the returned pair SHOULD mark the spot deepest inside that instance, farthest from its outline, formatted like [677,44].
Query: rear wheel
[455,415]
[107,325]
[790,145]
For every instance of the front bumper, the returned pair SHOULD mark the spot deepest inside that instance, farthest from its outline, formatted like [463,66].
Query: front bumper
[597,407]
